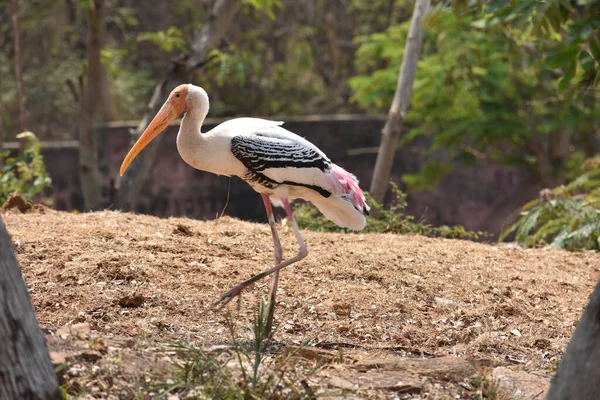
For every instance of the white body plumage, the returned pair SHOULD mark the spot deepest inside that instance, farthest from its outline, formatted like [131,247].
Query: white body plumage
[273,160]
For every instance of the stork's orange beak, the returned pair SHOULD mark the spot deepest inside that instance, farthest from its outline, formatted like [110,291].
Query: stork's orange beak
[163,118]
[172,108]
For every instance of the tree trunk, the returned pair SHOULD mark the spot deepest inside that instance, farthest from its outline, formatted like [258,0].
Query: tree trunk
[1,141]
[396,115]
[25,368]
[591,139]
[578,375]
[18,66]
[108,106]
[219,21]
[89,173]
[1,144]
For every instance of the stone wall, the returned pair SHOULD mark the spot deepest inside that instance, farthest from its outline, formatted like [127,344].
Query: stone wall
[475,198]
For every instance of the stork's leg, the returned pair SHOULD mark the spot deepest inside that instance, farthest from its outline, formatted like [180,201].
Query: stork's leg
[302,252]
[278,252]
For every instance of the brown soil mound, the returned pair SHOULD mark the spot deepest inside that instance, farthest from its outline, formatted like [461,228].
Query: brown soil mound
[144,277]
[16,202]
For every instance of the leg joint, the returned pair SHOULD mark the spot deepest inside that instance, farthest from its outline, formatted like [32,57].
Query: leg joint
[303,252]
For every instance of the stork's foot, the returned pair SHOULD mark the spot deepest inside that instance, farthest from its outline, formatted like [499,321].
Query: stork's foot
[227,297]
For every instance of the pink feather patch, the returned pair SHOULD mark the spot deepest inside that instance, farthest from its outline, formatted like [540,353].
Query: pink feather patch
[347,184]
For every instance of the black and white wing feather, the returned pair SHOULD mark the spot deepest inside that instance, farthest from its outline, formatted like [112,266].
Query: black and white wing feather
[259,153]
[272,161]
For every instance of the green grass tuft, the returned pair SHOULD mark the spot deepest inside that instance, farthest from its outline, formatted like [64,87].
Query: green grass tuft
[242,371]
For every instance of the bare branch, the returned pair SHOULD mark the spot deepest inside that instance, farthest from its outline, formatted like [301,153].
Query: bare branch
[89,172]
[18,64]
[73,89]
[391,130]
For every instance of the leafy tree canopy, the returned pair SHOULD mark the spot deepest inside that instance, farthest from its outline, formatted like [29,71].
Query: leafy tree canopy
[484,91]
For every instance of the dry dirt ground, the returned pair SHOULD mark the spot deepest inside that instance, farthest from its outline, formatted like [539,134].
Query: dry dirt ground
[397,316]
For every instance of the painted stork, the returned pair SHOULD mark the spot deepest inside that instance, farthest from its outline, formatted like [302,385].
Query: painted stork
[277,163]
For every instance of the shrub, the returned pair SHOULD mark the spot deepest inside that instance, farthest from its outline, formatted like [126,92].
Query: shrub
[567,217]
[25,173]
[391,220]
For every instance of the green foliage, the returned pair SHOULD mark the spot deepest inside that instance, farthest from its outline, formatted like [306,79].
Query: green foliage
[285,85]
[168,40]
[228,67]
[391,220]
[567,217]
[431,173]
[377,15]
[375,87]
[479,95]
[266,6]
[128,85]
[24,174]
[53,54]
[485,388]
[574,25]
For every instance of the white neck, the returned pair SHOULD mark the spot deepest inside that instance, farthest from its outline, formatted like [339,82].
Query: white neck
[190,141]
[191,124]
[210,151]
[192,121]
[198,105]
[190,136]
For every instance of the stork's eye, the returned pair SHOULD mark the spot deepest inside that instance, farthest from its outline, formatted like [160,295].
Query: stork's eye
[177,95]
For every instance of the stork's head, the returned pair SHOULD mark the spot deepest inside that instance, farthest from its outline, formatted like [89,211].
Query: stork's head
[183,98]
